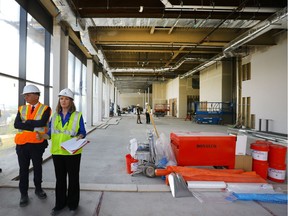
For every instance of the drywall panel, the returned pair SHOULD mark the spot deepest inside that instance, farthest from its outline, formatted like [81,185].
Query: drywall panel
[227,82]
[173,93]
[159,92]
[129,99]
[268,86]
[173,88]
[211,83]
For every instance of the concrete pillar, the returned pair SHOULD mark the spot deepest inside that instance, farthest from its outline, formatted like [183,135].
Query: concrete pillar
[107,98]
[100,96]
[89,101]
[60,44]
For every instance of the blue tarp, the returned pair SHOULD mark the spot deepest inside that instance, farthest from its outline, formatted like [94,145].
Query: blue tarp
[271,198]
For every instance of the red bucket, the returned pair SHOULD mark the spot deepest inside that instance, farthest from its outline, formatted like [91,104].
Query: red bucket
[130,164]
[260,150]
[277,154]
[261,168]
[277,172]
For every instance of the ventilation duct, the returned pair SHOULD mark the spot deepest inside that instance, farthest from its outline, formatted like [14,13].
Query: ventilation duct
[275,21]
[67,15]
[155,70]
[213,8]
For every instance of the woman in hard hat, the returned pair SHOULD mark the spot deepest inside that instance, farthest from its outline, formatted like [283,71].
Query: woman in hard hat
[65,124]
[31,118]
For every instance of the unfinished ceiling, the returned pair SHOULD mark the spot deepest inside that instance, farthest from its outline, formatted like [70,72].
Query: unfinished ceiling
[140,42]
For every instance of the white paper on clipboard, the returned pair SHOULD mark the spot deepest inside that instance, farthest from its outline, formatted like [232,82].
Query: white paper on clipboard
[74,145]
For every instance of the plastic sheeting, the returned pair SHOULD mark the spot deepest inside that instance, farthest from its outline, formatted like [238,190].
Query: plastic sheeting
[196,174]
[271,198]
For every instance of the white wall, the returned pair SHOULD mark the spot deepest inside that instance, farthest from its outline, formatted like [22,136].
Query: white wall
[129,99]
[211,84]
[172,92]
[268,86]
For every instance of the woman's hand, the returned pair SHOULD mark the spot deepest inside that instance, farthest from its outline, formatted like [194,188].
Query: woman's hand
[80,136]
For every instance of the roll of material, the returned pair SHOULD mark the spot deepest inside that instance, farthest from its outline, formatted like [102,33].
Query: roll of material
[250,188]
[206,184]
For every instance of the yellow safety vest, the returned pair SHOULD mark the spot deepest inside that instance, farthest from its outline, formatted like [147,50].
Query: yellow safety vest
[25,136]
[60,134]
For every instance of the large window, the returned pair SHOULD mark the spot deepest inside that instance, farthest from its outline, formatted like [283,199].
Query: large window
[35,51]
[28,43]
[8,110]
[9,68]
[9,25]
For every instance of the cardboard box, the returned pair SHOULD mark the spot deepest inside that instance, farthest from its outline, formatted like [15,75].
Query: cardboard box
[241,145]
[243,162]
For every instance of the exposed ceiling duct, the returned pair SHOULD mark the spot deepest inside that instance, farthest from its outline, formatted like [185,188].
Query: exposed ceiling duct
[273,22]
[66,14]
[156,70]
[205,8]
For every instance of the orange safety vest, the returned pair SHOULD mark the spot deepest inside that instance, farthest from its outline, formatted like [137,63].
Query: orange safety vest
[25,136]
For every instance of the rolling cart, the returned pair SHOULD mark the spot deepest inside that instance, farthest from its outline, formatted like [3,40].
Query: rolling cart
[146,156]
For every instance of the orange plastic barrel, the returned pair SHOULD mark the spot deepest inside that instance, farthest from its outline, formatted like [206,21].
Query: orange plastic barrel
[277,172]
[261,168]
[277,154]
[260,150]
[130,161]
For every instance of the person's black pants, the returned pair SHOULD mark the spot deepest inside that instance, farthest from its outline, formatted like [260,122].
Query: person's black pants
[26,153]
[67,165]
[147,118]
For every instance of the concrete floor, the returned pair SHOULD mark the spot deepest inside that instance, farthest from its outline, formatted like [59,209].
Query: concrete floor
[106,188]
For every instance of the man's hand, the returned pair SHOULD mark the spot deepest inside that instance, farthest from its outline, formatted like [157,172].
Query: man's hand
[40,136]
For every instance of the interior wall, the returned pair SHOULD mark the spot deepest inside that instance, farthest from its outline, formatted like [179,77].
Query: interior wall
[185,89]
[173,88]
[268,86]
[129,99]
[159,93]
[211,84]
[227,82]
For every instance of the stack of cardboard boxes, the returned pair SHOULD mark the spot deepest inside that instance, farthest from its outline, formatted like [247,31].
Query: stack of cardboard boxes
[242,160]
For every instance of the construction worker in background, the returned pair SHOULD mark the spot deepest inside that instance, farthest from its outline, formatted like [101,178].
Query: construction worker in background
[65,124]
[31,118]
[138,112]
[148,111]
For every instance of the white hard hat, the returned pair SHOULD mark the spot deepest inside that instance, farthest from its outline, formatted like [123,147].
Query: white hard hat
[67,93]
[30,89]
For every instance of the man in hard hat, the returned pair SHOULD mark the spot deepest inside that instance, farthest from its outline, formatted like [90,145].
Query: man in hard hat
[138,112]
[31,119]
[148,110]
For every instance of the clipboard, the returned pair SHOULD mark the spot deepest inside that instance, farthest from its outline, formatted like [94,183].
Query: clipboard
[73,145]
